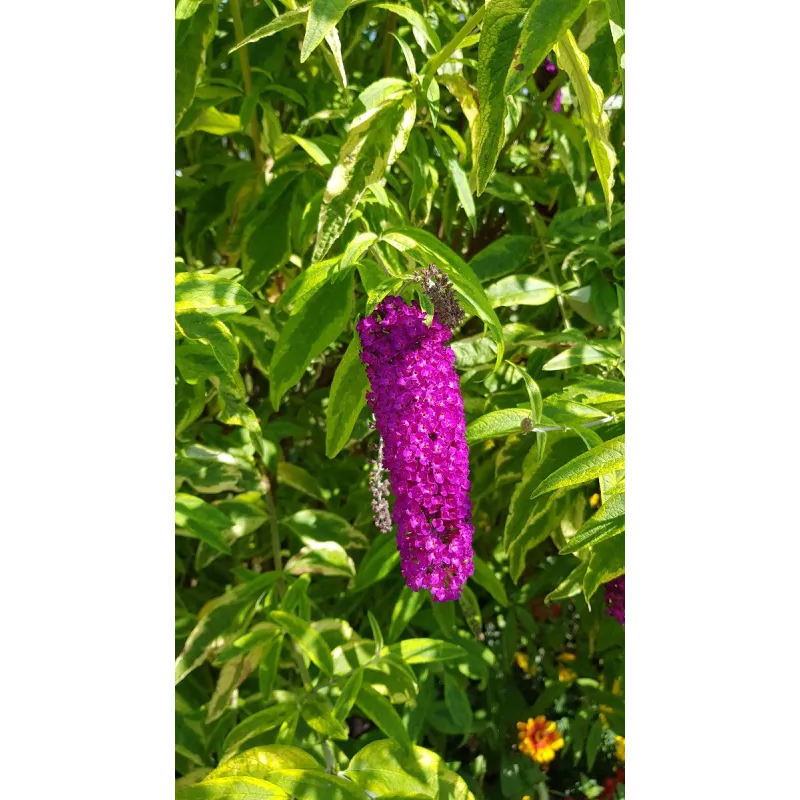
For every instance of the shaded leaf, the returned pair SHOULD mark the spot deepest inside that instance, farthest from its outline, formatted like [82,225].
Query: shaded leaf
[306,334]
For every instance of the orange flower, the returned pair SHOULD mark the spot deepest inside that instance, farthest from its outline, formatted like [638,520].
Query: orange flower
[539,739]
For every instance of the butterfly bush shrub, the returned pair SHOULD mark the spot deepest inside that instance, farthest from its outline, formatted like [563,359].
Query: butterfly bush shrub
[399,400]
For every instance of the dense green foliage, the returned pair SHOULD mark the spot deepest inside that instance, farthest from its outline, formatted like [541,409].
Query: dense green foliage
[318,165]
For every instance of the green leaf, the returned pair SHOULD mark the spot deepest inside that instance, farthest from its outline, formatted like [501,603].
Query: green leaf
[520,290]
[595,120]
[318,155]
[259,762]
[606,457]
[185,8]
[221,615]
[405,608]
[347,398]
[312,526]
[415,19]
[424,248]
[503,256]
[216,122]
[407,54]
[471,610]
[244,787]
[230,676]
[315,785]
[312,644]
[433,97]
[593,741]
[299,479]
[306,284]
[378,709]
[268,668]
[570,586]
[193,34]
[607,562]
[499,41]
[199,519]
[306,334]
[322,558]
[457,703]
[374,141]
[294,596]
[425,651]
[356,248]
[616,19]
[214,333]
[377,636]
[445,616]
[335,58]
[322,17]
[458,176]
[320,718]
[545,22]
[385,769]
[196,291]
[580,355]
[484,577]
[347,698]
[255,725]
[496,424]
[379,561]
[607,522]
[530,522]
[297,16]
[534,393]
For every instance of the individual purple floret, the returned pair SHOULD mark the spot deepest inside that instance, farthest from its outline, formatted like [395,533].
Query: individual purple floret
[552,69]
[615,599]
[419,414]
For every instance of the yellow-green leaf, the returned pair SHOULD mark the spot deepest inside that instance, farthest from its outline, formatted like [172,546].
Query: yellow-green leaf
[312,644]
[595,120]
[606,457]
[322,17]
[545,22]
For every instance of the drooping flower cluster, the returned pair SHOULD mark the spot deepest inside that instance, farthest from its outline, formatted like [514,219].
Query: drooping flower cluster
[552,70]
[539,739]
[615,599]
[414,394]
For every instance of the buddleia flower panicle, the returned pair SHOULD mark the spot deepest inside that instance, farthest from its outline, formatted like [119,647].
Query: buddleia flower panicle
[615,599]
[379,487]
[436,285]
[419,413]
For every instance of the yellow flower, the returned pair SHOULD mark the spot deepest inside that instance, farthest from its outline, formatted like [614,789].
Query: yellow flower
[621,748]
[566,675]
[524,663]
[539,739]
[567,657]
[594,500]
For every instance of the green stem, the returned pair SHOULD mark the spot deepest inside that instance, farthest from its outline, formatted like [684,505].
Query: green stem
[268,487]
[439,58]
[541,233]
[247,77]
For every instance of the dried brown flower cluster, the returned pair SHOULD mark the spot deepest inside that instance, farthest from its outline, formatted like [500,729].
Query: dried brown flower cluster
[380,492]
[438,288]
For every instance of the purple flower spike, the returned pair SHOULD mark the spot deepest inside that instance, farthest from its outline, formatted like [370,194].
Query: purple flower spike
[615,598]
[419,414]
[557,101]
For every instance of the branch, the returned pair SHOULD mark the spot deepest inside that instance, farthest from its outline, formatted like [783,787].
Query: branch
[248,84]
